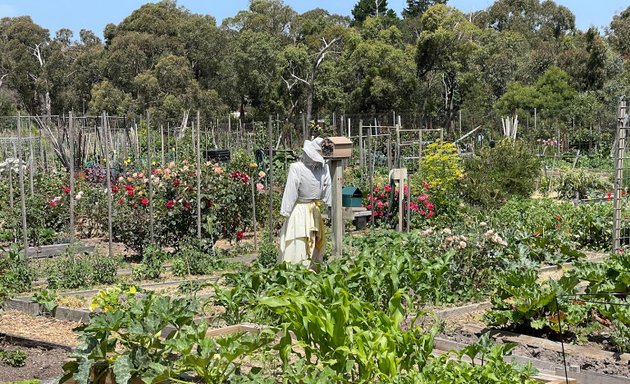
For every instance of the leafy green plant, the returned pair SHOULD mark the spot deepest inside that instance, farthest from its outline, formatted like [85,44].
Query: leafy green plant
[130,340]
[115,298]
[15,273]
[521,299]
[451,368]
[356,342]
[16,358]
[104,269]
[69,272]
[267,254]
[47,299]
[152,264]
[196,258]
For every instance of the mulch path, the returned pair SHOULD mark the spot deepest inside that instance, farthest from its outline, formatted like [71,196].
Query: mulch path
[38,328]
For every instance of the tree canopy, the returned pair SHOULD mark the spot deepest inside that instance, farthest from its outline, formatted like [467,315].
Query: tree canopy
[433,61]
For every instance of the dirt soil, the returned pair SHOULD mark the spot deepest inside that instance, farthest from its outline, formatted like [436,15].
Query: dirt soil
[38,328]
[41,363]
[453,331]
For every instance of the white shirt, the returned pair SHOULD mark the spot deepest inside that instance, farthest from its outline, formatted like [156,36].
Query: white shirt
[306,182]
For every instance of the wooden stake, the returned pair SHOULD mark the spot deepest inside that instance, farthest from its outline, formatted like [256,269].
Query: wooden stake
[198,177]
[149,176]
[21,174]
[254,224]
[270,172]
[71,163]
[162,144]
[32,161]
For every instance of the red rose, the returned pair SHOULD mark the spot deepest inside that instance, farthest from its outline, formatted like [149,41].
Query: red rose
[170,204]
[120,202]
[144,201]
[115,188]
[66,189]
[176,183]
[130,192]
[186,205]
[240,235]
[52,203]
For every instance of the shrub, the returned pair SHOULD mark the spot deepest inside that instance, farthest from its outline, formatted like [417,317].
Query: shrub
[196,258]
[15,274]
[104,268]
[69,272]
[267,254]
[497,174]
[583,182]
[440,167]
[152,264]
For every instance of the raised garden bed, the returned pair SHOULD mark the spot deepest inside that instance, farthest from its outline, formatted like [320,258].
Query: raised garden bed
[588,364]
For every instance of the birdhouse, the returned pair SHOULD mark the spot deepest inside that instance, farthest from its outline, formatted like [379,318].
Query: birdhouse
[337,148]
[351,197]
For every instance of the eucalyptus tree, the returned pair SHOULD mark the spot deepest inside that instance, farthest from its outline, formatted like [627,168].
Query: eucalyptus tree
[619,33]
[444,53]
[378,69]
[318,36]
[24,56]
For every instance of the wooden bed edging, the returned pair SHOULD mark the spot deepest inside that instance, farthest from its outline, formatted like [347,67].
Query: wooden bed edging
[29,342]
[538,342]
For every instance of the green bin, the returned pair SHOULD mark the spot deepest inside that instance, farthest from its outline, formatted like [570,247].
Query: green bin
[351,197]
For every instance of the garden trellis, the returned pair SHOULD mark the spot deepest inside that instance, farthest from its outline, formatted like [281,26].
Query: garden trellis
[621,223]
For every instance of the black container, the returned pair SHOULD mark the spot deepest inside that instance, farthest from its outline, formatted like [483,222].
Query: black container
[220,155]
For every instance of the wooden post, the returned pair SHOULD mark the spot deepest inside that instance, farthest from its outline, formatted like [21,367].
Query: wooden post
[162,144]
[389,151]
[361,160]
[398,161]
[108,170]
[42,158]
[337,213]
[71,163]
[198,177]
[371,173]
[11,193]
[270,172]
[349,128]
[32,162]
[21,175]
[149,177]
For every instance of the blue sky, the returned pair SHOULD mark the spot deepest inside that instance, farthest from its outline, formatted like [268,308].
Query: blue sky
[94,15]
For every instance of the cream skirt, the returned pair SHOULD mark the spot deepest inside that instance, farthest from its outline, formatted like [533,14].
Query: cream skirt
[302,236]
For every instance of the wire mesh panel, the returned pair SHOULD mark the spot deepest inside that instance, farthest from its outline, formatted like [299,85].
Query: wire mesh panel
[621,229]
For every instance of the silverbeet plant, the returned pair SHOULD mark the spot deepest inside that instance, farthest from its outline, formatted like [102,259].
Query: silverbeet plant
[155,339]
